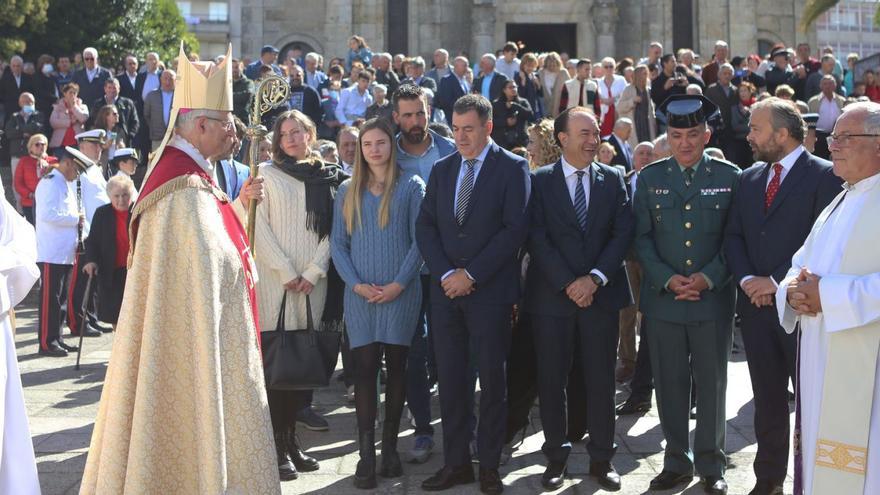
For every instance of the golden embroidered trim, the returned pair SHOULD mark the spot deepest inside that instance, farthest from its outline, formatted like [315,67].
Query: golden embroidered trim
[842,457]
[173,185]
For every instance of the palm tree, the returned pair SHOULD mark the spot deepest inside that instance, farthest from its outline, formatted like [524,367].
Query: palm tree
[814,9]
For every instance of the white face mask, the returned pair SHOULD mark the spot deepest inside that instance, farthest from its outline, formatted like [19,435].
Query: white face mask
[47,69]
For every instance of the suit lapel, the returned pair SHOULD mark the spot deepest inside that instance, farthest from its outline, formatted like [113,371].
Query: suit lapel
[795,175]
[451,182]
[559,189]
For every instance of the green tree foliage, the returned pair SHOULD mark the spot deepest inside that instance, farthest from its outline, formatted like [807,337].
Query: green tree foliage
[17,19]
[814,9]
[115,27]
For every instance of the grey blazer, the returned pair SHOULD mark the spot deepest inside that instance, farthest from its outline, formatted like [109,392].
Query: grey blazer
[153,115]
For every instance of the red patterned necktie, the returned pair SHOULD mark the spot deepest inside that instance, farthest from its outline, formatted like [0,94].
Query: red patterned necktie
[773,187]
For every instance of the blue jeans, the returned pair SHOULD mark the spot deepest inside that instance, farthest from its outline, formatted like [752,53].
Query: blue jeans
[418,391]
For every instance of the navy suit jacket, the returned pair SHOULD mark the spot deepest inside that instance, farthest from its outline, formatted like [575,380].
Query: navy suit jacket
[560,251]
[448,93]
[762,244]
[488,243]
[620,157]
[495,87]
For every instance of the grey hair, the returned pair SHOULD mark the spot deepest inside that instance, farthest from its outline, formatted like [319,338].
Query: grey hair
[380,87]
[386,56]
[419,62]
[726,66]
[312,56]
[16,58]
[91,50]
[120,181]
[784,115]
[490,56]
[443,51]
[623,121]
[720,43]
[872,115]
[187,120]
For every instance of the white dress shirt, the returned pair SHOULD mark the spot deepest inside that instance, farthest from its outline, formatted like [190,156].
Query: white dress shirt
[151,82]
[94,193]
[56,215]
[828,113]
[352,104]
[571,182]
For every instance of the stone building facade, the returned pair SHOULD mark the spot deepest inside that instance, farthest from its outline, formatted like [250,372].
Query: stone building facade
[590,28]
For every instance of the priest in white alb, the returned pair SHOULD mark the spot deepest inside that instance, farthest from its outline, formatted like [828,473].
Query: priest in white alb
[832,293]
[184,409]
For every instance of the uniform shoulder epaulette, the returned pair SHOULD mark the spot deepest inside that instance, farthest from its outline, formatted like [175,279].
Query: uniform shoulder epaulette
[718,161]
[652,164]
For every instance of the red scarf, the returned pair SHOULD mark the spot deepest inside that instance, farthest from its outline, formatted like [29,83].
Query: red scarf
[747,103]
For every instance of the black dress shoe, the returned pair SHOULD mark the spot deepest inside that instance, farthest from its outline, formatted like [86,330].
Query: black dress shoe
[490,481]
[53,350]
[554,476]
[101,326]
[766,487]
[634,406]
[448,477]
[302,461]
[89,331]
[668,480]
[67,347]
[715,484]
[606,474]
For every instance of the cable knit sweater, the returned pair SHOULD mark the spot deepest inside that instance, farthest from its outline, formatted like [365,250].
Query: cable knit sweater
[285,249]
[370,255]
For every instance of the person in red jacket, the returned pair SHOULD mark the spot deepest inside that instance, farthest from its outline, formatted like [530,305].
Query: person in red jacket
[30,168]
[872,89]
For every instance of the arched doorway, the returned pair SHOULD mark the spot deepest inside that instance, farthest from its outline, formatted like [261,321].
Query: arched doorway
[291,48]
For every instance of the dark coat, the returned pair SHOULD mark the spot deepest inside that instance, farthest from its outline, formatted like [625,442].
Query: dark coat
[129,123]
[101,246]
[9,91]
[91,91]
[489,241]
[311,103]
[18,131]
[495,87]
[450,91]
[511,136]
[560,251]
[620,156]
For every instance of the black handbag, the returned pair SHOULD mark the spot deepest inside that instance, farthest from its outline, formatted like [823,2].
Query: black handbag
[298,359]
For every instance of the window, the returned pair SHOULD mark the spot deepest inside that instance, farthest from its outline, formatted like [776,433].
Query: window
[185,9]
[218,12]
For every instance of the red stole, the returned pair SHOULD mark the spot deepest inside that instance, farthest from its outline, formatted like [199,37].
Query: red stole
[175,163]
[608,120]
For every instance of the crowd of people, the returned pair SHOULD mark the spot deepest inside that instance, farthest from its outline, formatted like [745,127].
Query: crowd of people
[517,222]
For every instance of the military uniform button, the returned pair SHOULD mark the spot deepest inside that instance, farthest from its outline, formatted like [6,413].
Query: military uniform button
[688,225]
[688,262]
[657,207]
[687,206]
[688,243]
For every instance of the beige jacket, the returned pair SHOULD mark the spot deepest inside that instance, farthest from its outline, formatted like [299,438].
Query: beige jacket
[626,107]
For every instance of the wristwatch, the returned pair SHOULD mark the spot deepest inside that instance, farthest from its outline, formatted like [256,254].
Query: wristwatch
[597,280]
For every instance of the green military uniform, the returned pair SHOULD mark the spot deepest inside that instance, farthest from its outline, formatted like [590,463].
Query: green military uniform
[679,230]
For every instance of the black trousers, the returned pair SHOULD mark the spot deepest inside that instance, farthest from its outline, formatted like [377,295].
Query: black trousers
[556,345]
[522,384]
[53,297]
[78,283]
[642,384]
[772,358]
[462,329]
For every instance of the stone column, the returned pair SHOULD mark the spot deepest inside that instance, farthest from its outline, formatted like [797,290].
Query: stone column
[604,14]
[482,28]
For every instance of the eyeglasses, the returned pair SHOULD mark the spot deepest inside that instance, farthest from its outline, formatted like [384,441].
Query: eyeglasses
[88,58]
[228,125]
[842,140]
[609,66]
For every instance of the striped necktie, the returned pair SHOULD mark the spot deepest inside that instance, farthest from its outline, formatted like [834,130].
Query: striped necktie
[580,200]
[464,191]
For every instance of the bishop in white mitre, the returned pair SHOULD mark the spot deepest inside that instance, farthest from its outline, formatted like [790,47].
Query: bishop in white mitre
[833,292]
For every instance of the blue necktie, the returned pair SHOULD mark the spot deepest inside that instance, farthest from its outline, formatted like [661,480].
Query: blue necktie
[580,200]
[464,191]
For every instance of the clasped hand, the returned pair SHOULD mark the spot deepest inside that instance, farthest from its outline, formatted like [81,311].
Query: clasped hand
[300,284]
[688,288]
[760,290]
[581,291]
[378,294]
[803,293]
[457,284]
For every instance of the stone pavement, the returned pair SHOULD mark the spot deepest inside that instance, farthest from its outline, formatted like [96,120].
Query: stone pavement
[62,404]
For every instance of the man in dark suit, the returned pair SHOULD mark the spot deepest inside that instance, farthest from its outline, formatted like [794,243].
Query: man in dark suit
[13,83]
[724,95]
[581,228]
[771,216]
[471,227]
[490,83]
[619,138]
[129,123]
[91,77]
[417,77]
[452,87]
[128,78]
[147,81]
[304,98]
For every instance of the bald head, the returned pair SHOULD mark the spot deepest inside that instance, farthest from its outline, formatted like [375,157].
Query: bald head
[856,151]
[643,154]
[661,148]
